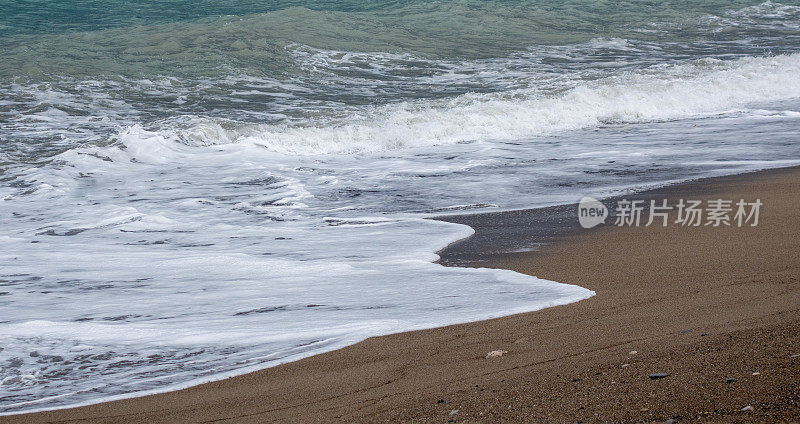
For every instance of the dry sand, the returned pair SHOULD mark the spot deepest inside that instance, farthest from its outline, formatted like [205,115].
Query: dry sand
[703,305]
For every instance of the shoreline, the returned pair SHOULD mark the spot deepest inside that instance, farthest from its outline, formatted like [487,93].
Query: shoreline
[312,386]
[530,230]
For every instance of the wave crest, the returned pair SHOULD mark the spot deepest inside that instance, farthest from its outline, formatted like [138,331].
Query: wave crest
[664,92]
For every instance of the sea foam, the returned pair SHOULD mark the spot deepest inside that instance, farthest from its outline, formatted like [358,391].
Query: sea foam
[166,223]
[659,93]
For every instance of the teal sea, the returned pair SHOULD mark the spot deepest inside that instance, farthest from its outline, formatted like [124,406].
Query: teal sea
[195,189]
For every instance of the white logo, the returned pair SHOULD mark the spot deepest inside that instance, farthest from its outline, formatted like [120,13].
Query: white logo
[591,212]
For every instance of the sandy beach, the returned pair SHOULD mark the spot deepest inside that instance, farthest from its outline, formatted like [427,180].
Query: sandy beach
[715,309]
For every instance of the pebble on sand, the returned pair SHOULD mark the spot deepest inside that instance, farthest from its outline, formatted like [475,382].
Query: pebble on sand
[730,380]
[756,373]
[453,412]
[496,354]
[633,352]
[624,365]
[747,408]
[657,375]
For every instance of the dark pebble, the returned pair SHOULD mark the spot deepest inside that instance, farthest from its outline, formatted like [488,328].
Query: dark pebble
[657,375]
[730,380]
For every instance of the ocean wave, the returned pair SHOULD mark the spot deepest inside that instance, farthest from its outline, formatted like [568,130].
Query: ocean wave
[171,181]
[664,92]
[256,42]
[769,11]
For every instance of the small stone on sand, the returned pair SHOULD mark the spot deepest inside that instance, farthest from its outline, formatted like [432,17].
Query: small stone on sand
[657,375]
[730,380]
[496,354]
[633,352]
[453,412]
[624,365]
[795,355]
[756,373]
[747,408]
[644,409]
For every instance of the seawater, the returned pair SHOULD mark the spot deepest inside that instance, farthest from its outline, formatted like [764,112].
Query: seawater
[191,190]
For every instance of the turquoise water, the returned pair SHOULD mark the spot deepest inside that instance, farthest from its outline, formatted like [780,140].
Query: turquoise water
[37,17]
[191,190]
[145,38]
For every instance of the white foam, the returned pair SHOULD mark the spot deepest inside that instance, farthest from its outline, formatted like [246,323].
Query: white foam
[664,92]
[186,249]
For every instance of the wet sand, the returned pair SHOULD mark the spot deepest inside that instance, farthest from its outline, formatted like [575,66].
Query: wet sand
[716,309]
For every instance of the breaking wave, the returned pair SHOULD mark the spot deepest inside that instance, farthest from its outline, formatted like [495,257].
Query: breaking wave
[659,93]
